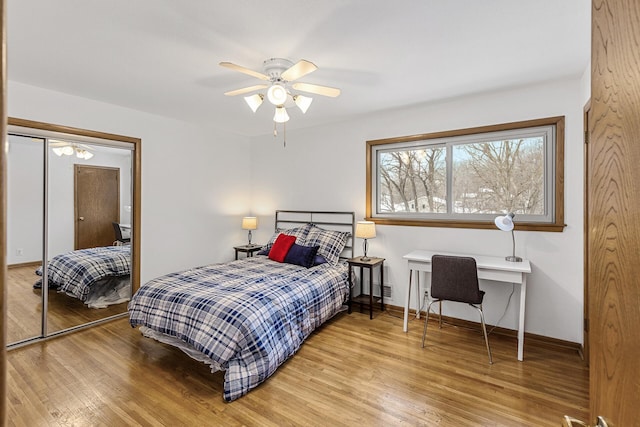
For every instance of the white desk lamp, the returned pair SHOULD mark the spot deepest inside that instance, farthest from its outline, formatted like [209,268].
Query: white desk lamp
[505,223]
[249,223]
[365,230]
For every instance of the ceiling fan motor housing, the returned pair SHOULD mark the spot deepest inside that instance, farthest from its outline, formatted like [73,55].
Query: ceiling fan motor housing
[274,68]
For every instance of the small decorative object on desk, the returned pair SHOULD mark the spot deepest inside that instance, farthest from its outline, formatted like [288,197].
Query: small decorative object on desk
[365,230]
[249,223]
[505,223]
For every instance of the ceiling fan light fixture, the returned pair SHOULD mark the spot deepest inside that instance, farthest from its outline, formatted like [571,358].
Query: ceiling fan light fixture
[254,101]
[277,94]
[59,151]
[281,115]
[67,150]
[303,102]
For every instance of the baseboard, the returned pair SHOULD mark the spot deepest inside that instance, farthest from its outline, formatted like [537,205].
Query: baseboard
[26,264]
[530,339]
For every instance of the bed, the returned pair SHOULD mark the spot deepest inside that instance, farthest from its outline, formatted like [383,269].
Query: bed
[99,277]
[247,317]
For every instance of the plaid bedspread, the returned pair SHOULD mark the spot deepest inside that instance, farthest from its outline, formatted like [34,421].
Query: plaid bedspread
[249,315]
[74,272]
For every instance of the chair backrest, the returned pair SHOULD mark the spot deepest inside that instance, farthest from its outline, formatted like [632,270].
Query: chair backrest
[455,278]
[117,230]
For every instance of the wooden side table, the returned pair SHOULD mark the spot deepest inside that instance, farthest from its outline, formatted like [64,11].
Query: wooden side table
[367,299]
[247,249]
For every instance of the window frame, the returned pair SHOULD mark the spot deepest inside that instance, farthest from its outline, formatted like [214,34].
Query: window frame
[557,181]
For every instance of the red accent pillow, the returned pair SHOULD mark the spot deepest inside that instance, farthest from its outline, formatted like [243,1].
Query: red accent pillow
[281,247]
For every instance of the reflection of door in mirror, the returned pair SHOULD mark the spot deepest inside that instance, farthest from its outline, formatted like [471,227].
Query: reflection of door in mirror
[25,196]
[82,285]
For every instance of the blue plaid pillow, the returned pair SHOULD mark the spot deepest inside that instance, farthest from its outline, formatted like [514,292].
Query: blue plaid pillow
[331,242]
[300,233]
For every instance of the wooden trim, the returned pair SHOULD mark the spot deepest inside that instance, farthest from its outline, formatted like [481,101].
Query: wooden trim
[26,264]
[585,231]
[530,339]
[13,121]
[557,226]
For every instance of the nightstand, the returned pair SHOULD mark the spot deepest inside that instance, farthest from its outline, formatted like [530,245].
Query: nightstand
[247,249]
[366,299]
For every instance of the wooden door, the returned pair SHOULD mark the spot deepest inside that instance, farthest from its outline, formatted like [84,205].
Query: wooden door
[97,205]
[614,212]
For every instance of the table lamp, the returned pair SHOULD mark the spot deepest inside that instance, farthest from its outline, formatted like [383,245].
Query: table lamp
[365,230]
[249,223]
[505,223]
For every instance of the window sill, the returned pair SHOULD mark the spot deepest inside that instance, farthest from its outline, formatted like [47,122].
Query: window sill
[519,226]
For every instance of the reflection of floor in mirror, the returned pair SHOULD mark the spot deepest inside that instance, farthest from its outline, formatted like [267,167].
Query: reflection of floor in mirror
[24,307]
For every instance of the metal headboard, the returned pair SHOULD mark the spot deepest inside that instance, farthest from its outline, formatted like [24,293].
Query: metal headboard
[331,220]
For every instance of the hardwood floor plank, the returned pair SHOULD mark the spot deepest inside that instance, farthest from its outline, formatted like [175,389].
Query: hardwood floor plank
[353,371]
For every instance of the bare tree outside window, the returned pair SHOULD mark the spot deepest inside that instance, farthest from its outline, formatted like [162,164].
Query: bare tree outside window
[466,177]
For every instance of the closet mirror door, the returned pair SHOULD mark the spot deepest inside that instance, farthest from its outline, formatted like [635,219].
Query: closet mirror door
[25,237]
[89,229]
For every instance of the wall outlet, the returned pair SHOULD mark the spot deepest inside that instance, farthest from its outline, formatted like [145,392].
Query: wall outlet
[19,252]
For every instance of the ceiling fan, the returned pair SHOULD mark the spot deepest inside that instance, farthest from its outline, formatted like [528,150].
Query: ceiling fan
[63,148]
[280,91]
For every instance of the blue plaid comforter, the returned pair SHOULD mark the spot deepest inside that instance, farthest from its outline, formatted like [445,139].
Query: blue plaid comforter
[74,272]
[249,316]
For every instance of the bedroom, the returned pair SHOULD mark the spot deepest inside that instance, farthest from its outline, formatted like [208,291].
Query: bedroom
[199,179]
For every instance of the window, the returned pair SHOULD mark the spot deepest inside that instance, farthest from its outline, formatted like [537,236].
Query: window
[464,178]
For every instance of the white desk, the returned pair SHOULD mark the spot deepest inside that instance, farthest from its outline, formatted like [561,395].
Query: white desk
[489,268]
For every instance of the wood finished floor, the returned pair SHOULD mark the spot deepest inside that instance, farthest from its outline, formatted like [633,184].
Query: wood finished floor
[353,371]
[24,307]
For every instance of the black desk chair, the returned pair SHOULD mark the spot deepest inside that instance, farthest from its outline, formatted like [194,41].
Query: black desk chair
[455,278]
[119,239]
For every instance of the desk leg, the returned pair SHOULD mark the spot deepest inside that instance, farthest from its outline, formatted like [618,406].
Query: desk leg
[418,294]
[405,325]
[523,296]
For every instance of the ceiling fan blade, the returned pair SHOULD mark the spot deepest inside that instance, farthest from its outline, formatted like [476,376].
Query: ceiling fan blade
[317,89]
[241,69]
[297,70]
[245,90]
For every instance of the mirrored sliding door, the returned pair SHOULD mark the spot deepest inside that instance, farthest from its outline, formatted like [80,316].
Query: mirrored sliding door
[73,228]
[25,236]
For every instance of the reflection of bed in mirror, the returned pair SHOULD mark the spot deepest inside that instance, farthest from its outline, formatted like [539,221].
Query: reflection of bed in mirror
[99,277]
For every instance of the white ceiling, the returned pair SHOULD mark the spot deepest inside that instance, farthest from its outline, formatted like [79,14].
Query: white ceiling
[161,56]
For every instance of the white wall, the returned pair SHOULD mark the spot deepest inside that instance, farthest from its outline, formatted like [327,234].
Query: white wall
[324,168]
[194,185]
[25,183]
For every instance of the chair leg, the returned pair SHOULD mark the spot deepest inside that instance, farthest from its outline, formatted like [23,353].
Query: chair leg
[426,320]
[484,331]
[440,314]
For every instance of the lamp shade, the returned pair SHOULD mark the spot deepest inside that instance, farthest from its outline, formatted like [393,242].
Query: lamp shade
[249,223]
[366,229]
[254,101]
[505,223]
[303,102]
[281,115]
